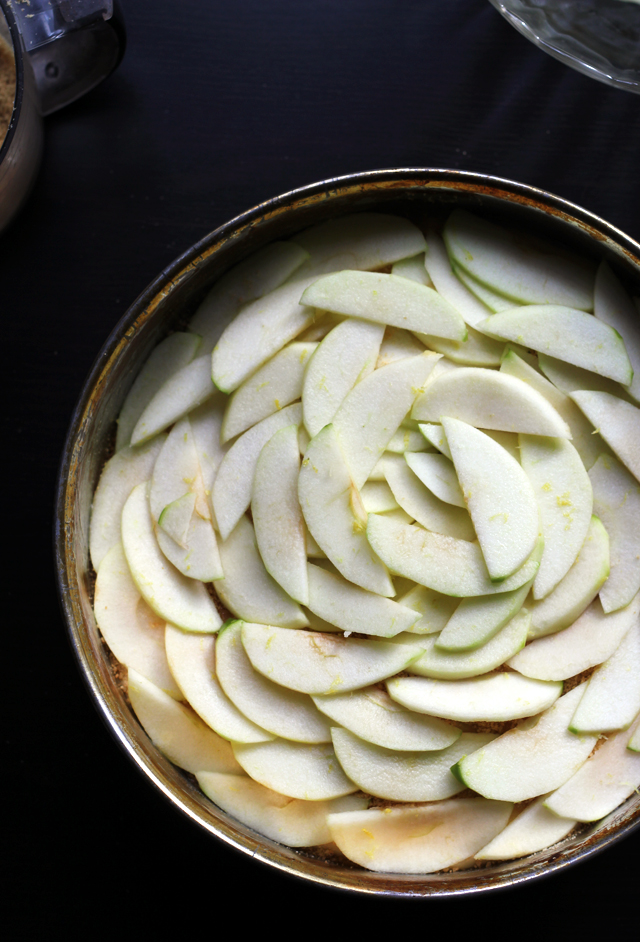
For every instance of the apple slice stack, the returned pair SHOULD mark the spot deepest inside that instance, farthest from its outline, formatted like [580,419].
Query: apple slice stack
[409,469]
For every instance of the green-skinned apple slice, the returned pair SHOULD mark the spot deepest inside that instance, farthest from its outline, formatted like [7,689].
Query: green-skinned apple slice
[177,731]
[569,378]
[422,505]
[634,741]
[397,344]
[491,299]
[275,385]
[577,589]
[373,716]
[316,663]
[435,435]
[612,698]
[476,620]
[377,497]
[126,469]
[277,518]
[176,517]
[386,299]
[406,440]
[176,473]
[421,839]
[285,713]
[132,630]
[457,665]
[498,495]
[590,640]
[252,278]
[588,445]
[351,608]
[199,558]
[346,355]
[234,480]
[374,409]
[413,269]
[616,496]
[171,355]
[511,266]
[258,332]
[294,822]
[183,602]
[328,498]
[403,776]
[489,400]
[438,474]
[206,422]
[609,776]
[477,350]
[299,770]
[186,389]
[453,567]
[247,589]
[490,698]
[529,760]
[192,659]
[434,609]
[617,421]
[451,288]
[534,829]
[612,304]
[565,497]
[359,240]
[567,334]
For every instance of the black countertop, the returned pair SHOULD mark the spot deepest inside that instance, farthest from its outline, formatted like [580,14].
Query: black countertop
[215,108]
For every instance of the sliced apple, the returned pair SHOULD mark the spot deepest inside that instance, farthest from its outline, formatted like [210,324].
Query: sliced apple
[373,716]
[285,713]
[403,776]
[199,558]
[435,435]
[491,299]
[261,273]
[617,503]
[325,490]
[609,776]
[176,518]
[193,664]
[534,829]
[489,400]
[186,389]
[206,423]
[177,731]
[346,355]
[492,698]
[374,409]
[397,344]
[274,386]
[132,630]
[422,505]
[127,468]
[419,839]
[435,609]
[512,266]
[299,770]
[277,518]
[528,760]
[316,663]
[177,472]
[565,497]
[359,240]
[438,474]
[477,350]
[617,421]
[612,698]
[453,567]
[498,495]
[451,288]
[170,356]
[234,480]
[247,589]
[406,440]
[182,601]
[569,378]
[476,620]
[294,822]
[612,304]
[377,497]
[354,609]
[589,641]
[577,589]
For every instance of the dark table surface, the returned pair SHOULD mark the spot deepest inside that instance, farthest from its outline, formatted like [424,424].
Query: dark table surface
[216,107]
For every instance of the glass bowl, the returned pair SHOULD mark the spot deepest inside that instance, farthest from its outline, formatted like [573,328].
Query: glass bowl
[168,301]
[600,38]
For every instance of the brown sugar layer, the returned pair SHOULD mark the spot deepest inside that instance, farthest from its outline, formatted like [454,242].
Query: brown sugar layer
[7,86]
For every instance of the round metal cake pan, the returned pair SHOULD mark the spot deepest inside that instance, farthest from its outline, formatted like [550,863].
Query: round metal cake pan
[167,303]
